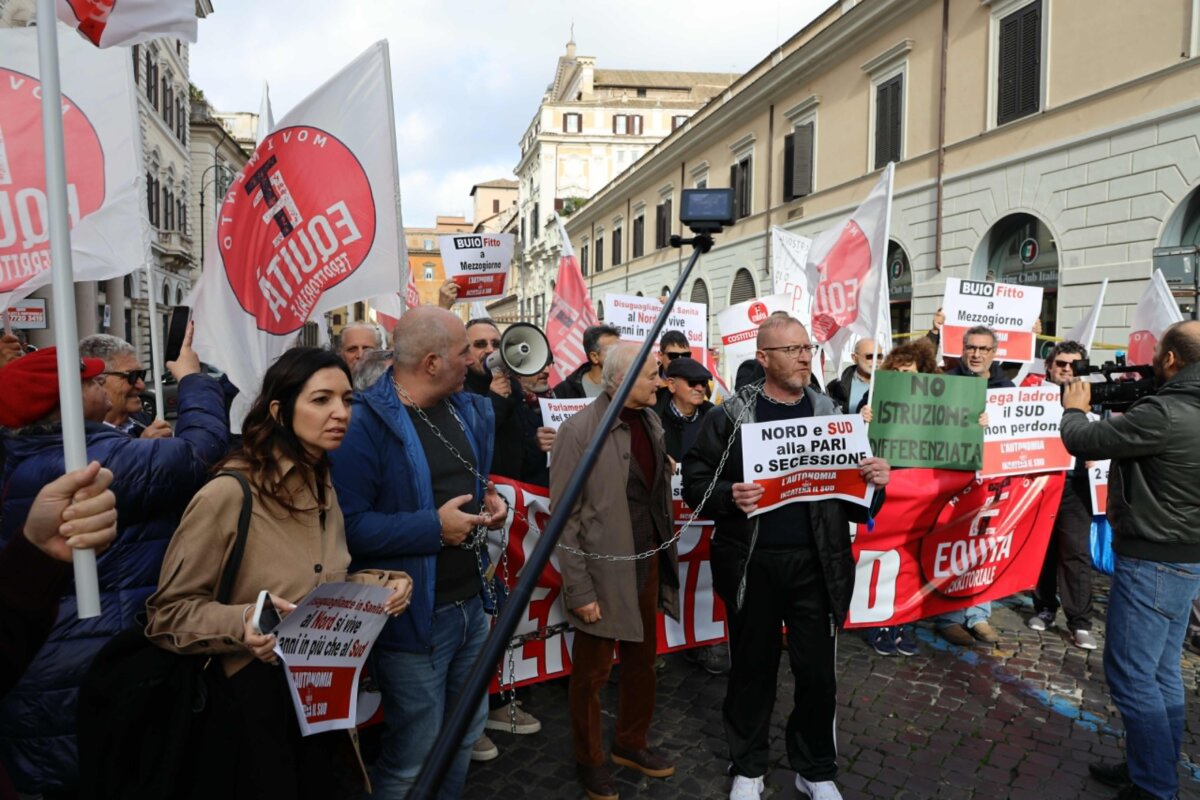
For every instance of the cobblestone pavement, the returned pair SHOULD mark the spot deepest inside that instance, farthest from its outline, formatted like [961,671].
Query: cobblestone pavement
[1020,720]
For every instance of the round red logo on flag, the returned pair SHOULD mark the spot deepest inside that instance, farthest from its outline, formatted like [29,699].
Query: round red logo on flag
[842,273]
[299,220]
[1142,345]
[758,312]
[24,215]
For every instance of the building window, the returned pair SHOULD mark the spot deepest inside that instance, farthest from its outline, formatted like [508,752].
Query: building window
[137,64]
[699,292]
[429,272]
[583,259]
[169,203]
[639,236]
[739,181]
[889,98]
[678,121]
[533,223]
[1019,67]
[151,79]
[662,224]
[599,252]
[152,199]
[616,245]
[495,206]
[166,294]
[641,92]
[600,310]
[627,124]
[572,123]
[798,161]
[743,287]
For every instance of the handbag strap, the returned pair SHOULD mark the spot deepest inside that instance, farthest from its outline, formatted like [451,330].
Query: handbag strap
[239,546]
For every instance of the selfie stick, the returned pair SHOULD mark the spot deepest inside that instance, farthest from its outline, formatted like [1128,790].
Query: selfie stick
[446,746]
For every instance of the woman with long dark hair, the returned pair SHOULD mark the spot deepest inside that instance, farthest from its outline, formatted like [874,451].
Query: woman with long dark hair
[296,542]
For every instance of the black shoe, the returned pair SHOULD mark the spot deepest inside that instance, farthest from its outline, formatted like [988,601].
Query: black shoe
[1132,792]
[1111,774]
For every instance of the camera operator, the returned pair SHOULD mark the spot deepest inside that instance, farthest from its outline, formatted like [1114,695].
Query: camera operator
[1153,507]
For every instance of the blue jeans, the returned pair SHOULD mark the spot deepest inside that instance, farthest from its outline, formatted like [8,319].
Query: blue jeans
[1148,608]
[418,690]
[964,616]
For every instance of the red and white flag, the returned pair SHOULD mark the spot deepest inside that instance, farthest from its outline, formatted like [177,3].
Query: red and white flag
[311,223]
[847,274]
[1084,332]
[570,314]
[106,23]
[106,190]
[1155,312]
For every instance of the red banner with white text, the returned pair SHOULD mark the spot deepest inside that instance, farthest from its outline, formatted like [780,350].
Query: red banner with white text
[945,540]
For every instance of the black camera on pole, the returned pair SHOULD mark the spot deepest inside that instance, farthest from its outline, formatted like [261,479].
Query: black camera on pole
[1118,391]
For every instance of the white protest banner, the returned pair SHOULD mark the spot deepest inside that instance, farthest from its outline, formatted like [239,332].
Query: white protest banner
[634,316]
[1155,312]
[789,272]
[28,314]
[478,263]
[1098,483]
[106,23]
[324,644]
[738,326]
[110,231]
[311,223]
[807,459]
[555,411]
[680,510]
[1008,309]
[1022,433]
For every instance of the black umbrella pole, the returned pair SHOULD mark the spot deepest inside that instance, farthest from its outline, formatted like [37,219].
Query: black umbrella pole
[455,724]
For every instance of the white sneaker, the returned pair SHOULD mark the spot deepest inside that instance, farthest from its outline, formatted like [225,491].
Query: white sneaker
[1084,640]
[821,790]
[746,788]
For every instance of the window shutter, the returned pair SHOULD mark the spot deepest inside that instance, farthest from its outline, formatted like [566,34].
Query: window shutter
[1009,68]
[895,118]
[667,218]
[637,125]
[802,168]
[660,238]
[564,123]
[615,118]
[1028,100]
[616,247]
[599,255]
[737,194]
[639,237]
[743,287]
[788,166]
[888,116]
[699,292]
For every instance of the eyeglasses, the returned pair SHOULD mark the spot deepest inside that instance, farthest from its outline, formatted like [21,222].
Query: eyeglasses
[1058,362]
[793,350]
[481,344]
[698,384]
[868,356]
[979,348]
[133,375]
[681,354]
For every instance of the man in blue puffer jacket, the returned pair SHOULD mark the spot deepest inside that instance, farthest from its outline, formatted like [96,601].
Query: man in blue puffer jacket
[412,504]
[154,479]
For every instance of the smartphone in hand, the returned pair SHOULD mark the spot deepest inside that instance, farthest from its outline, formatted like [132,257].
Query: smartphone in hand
[266,619]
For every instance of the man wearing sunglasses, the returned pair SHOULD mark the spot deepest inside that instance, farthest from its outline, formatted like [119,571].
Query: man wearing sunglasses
[849,390]
[124,380]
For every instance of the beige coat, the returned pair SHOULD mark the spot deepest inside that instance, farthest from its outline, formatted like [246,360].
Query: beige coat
[288,554]
[601,524]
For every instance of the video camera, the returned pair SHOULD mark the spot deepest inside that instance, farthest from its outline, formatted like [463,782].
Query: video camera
[1117,394]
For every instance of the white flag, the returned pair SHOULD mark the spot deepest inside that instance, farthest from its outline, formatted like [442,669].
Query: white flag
[106,23]
[106,190]
[1084,333]
[266,118]
[847,271]
[789,271]
[1154,313]
[311,223]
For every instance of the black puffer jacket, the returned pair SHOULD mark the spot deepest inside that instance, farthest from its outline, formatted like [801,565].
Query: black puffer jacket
[1153,504]
[830,518]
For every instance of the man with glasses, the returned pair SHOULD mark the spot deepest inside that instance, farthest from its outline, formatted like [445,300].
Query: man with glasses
[849,390]
[965,626]
[789,566]
[125,381]
[672,346]
[1067,570]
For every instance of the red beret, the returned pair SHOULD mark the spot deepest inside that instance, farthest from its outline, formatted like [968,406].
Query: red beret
[31,386]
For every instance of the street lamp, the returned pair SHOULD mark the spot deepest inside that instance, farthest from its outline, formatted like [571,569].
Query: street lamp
[223,171]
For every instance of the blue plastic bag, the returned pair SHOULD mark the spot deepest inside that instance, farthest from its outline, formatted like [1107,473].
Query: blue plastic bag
[1101,539]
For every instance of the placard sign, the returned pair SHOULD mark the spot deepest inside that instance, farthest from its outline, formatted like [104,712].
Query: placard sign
[1098,483]
[807,459]
[634,316]
[1022,434]
[555,411]
[680,510]
[323,644]
[28,314]
[1007,308]
[923,420]
[478,263]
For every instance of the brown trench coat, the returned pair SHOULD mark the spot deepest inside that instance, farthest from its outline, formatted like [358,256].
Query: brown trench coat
[601,524]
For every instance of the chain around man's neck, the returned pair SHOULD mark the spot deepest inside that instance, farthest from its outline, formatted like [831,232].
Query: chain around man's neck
[769,399]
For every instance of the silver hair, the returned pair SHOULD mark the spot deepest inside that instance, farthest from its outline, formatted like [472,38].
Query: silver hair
[105,347]
[618,358]
[370,368]
[366,325]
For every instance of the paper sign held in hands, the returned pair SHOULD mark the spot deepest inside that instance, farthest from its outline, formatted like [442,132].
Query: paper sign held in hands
[478,263]
[1007,308]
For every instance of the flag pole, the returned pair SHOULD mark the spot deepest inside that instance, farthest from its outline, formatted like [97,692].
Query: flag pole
[881,303]
[156,354]
[66,334]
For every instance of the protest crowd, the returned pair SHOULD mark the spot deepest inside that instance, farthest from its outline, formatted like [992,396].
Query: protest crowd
[297,575]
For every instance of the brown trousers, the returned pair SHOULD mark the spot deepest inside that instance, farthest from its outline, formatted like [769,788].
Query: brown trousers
[591,663]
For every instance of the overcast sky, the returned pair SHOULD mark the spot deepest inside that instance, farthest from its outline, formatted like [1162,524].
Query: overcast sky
[468,76]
